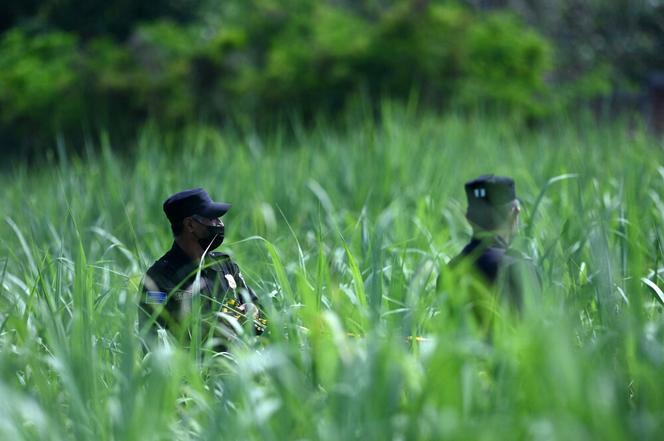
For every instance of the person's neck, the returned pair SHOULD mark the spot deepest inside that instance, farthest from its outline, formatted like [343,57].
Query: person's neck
[191,248]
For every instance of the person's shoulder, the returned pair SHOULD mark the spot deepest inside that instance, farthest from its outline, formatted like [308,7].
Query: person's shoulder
[492,257]
[163,265]
[463,255]
[518,262]
[224,260]
[217,256]
[158,276]
[517,256]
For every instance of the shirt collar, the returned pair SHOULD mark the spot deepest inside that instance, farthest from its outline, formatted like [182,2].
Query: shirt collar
[177,255]
[489,242]
[185,268]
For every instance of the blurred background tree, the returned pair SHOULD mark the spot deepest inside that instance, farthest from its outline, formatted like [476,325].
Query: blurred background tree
[604,48]
[72,67]
[93,18]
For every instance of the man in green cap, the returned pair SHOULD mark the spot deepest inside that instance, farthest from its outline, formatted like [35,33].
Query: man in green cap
[493,212]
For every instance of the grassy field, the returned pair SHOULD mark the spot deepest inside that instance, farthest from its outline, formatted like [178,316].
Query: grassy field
[342,233]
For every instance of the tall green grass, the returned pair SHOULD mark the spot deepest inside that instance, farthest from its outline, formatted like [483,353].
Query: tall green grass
[343,234]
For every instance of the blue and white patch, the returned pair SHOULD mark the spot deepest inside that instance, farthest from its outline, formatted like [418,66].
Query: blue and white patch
[155,297]
[480,193]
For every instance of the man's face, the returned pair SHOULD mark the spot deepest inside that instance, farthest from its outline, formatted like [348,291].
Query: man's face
[209,233]
[204,221]
[197,226]
[508,225]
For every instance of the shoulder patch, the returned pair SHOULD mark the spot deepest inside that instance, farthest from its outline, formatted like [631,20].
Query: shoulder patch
[155,297]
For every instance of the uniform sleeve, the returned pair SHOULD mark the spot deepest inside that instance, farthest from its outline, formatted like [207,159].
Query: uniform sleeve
[145,309]
[156,305]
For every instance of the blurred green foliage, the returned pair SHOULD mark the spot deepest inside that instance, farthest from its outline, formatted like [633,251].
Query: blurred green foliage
[72,67]
[38,80]
[343,235]
[257,60]
[602,45]
[93,18]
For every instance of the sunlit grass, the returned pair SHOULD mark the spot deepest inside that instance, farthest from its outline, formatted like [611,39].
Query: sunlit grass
[343,234]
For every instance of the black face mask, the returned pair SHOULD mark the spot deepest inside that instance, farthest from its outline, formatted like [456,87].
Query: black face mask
[213,239]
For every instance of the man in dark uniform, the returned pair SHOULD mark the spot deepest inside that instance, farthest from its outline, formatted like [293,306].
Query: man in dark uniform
[493,212]
[190,275]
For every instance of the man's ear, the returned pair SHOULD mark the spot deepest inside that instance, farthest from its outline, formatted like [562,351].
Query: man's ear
[516,208]
[188,224]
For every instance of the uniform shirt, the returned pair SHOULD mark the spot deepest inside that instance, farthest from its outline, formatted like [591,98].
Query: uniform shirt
[499,267]
[169,287]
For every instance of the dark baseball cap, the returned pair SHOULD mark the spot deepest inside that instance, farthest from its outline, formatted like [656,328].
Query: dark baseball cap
[488,197]
[195,201]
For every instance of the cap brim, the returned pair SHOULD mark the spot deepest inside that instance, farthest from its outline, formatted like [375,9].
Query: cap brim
[215,209]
